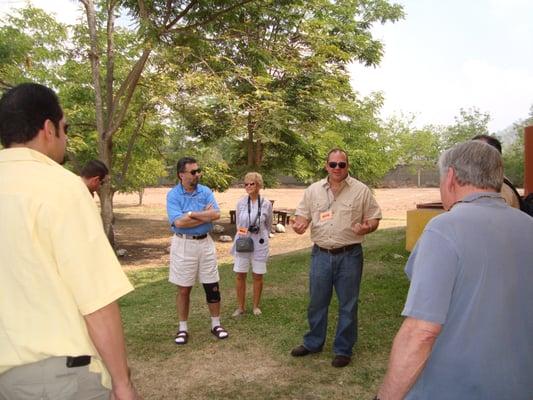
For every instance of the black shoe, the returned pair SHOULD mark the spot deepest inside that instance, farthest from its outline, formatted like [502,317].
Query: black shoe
[301,351]
[341,361]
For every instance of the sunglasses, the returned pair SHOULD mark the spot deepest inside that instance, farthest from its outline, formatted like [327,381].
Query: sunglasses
[195,171]
[249,184]
[333,164]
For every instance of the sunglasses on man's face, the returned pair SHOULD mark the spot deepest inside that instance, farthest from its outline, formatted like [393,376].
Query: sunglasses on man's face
[333,164]
[195,171]
[249,184]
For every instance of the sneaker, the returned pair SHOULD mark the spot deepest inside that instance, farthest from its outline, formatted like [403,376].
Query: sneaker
[341,361]
[238,313]
[257,311]
[301,351]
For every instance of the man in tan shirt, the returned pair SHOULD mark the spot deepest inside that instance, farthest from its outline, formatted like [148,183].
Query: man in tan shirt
[340,211]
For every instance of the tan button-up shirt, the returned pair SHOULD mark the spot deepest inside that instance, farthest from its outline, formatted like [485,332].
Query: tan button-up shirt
[354,203]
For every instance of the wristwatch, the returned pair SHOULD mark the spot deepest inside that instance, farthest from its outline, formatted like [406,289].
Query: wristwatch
[376,397]
[189,214]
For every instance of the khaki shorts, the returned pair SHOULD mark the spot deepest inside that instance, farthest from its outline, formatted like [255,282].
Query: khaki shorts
[50,379]
[192,258]
[242,264]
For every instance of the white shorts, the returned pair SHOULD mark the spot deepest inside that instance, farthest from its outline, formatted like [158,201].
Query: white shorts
[242,265]
[191,258]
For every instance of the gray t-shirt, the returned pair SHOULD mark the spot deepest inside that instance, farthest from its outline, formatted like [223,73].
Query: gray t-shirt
[472,272]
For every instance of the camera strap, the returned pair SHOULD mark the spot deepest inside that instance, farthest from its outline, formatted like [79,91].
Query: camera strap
[258,216]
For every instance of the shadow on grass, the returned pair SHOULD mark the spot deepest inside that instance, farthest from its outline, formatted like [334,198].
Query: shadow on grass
[150,323]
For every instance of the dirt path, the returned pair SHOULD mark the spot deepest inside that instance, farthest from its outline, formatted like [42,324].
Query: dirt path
[144,233]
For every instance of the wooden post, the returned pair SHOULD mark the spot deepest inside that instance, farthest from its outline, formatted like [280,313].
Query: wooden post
[528,160]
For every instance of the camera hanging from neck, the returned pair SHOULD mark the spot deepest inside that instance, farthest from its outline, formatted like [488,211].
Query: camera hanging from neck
[257,220]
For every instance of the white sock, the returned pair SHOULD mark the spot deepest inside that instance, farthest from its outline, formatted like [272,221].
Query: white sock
[183,326]
[215,321]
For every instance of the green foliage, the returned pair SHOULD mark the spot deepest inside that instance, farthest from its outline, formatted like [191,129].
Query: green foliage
[468,124]
[513,155]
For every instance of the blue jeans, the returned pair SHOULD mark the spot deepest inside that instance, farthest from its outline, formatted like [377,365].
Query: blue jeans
[343,272]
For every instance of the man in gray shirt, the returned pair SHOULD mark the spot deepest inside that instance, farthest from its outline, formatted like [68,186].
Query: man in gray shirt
[468,331]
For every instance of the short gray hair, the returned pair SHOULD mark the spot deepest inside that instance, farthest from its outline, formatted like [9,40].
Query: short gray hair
[475,163]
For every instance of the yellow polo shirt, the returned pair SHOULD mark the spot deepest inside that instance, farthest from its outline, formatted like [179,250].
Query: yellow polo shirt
[354,203]
[56,264]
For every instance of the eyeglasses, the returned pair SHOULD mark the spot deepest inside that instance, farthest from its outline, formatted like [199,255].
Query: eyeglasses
[333,164]
[195,171]
[249,184]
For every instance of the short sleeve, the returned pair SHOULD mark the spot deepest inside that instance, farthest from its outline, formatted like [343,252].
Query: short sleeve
[303,209]
[85,260]
[371,206]
[174,208]
[432,268]
[211,199]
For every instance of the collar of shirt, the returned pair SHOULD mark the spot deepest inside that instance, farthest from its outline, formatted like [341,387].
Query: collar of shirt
[25,154]
[186,193]
[472,197]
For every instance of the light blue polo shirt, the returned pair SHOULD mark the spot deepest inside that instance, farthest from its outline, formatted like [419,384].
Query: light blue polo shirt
[472,272]
[180,202]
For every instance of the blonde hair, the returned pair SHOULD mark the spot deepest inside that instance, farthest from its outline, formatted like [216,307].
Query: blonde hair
[255,177]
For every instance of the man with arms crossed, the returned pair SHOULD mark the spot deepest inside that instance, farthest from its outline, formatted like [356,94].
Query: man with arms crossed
[191,208]
[340,210]
[468,327]
[60,328]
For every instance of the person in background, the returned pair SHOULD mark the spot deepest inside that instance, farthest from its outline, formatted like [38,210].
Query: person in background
[191,209]
[61,332]
[508,190]
[253,219]
[468,320]
[94,174]
[341,211]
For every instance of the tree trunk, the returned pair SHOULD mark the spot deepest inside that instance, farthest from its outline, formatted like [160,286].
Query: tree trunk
[106,191]
[419,173]
[250,127]
[140,192]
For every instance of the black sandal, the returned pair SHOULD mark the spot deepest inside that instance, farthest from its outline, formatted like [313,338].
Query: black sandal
[219,332]
[181,337]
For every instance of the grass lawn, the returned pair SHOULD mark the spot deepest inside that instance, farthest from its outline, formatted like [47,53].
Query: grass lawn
[254,362]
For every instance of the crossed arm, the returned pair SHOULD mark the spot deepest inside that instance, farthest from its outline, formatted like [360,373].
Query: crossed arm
[208,214]
[410,350]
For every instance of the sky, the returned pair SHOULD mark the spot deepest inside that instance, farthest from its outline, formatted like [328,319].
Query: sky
[443,56]
[447,55]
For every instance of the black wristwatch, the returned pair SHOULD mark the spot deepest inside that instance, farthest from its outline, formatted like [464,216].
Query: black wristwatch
[376,397]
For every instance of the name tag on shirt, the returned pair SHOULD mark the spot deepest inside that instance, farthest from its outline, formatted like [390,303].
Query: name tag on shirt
[326,216]
[243,231]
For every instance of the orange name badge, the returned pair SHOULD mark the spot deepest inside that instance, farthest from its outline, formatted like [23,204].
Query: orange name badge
[326,216]
[243,231]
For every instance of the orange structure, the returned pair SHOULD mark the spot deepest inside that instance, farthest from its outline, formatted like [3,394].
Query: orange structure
[528,160]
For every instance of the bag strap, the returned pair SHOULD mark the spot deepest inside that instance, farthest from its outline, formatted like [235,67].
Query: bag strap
[510,184]
[258,216]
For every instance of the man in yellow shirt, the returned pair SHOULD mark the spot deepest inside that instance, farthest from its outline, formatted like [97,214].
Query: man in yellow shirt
[60,327]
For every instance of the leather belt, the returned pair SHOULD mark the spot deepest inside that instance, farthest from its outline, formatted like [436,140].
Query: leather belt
[79,361]
[195,237]
[338,250]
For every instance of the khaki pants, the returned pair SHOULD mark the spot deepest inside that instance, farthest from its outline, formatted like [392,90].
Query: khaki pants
[50,379]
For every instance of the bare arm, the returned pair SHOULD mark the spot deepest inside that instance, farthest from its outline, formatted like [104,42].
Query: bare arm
[105,330]
[300,224]
[366,227]
[410,350]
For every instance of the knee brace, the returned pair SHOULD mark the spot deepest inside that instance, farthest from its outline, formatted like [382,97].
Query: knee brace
[212,293]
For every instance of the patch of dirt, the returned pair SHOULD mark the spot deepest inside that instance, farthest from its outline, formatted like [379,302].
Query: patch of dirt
[143,231]
[195,379]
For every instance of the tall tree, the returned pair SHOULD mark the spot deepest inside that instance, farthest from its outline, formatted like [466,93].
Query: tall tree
[157,22]
[469,123]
